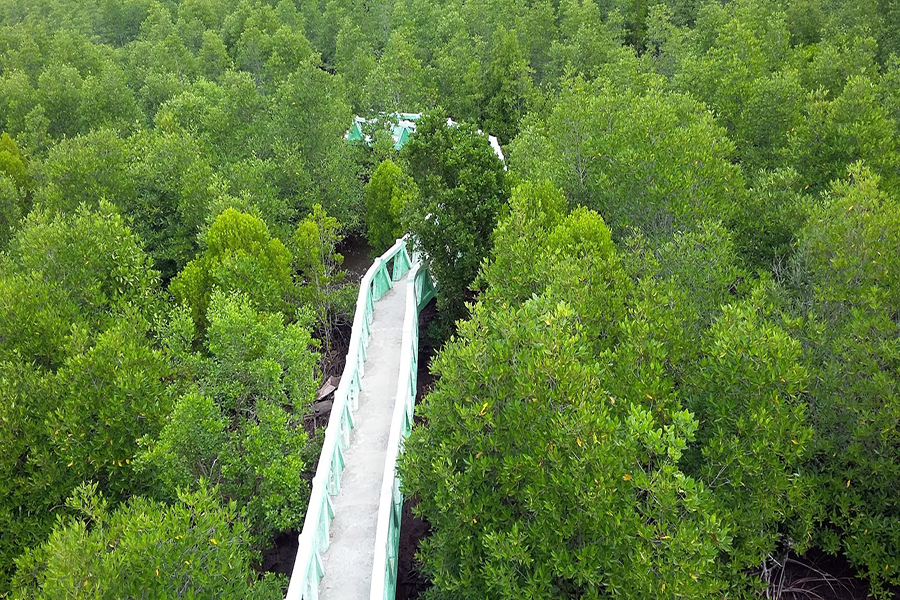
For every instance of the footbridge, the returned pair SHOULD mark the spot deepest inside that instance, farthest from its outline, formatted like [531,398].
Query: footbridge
[348,546]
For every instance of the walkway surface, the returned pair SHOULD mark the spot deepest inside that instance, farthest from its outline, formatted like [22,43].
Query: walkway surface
[348,561]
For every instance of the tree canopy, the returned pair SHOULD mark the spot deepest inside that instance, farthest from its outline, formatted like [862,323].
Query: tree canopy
[667,325]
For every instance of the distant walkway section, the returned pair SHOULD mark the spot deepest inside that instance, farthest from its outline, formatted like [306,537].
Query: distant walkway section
[348,545]
[348,562]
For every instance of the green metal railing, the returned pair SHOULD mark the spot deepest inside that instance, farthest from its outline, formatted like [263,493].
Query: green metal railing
[314,539]
[419,290]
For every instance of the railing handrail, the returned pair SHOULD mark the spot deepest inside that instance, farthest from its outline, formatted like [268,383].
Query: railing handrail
[313,538]
[387,531]
[381,558]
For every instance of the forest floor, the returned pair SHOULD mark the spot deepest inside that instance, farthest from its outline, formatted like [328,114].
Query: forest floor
[280,556]
[357,255]
[817,576]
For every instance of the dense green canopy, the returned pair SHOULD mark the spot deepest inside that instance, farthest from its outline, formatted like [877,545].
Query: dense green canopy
[670,342]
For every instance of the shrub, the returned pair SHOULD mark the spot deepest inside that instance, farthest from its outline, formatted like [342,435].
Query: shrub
[844,283]
[649,160]
[240,255]
[81,380]
[462,193]
[748,393]
[387,194]
[196,548]
[240,425]
[538,483]
[325,291]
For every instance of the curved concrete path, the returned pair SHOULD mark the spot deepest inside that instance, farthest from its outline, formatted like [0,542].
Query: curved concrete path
[348,561]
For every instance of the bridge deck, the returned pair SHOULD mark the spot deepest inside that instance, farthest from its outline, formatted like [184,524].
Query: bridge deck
[348,561]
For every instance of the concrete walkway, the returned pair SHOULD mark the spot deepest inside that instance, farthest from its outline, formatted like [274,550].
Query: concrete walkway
[348,561]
